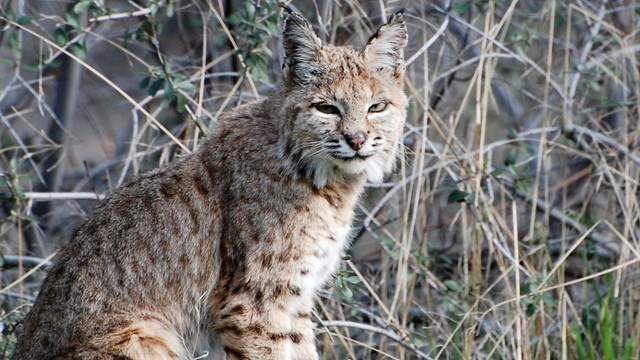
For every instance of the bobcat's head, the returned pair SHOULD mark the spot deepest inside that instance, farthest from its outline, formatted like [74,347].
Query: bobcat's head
[344,108]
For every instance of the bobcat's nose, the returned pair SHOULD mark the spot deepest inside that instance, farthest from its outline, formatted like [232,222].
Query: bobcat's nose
[356,141]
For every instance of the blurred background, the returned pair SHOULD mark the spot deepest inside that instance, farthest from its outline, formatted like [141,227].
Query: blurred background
[510,229]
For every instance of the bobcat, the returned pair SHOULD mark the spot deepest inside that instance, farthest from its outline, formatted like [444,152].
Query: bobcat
[227,247]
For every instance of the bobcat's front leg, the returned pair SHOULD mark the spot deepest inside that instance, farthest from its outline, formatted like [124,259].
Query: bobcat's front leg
[249,333]
[249,345]
[257,343]
[304,345]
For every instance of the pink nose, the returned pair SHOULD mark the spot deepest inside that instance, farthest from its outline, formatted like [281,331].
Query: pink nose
[356,141]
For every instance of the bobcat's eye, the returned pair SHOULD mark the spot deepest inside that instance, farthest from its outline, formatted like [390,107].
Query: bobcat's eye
[327,109]
[379,107]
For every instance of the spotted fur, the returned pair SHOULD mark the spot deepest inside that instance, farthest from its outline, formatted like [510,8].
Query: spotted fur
[228,247]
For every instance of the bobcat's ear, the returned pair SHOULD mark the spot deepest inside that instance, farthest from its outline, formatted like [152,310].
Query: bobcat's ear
[385,49]
[301,50]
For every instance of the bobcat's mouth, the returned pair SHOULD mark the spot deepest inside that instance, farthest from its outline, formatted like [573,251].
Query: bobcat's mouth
[354,157]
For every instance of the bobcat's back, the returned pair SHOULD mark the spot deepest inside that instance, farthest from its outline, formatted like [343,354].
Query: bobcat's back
[230,244]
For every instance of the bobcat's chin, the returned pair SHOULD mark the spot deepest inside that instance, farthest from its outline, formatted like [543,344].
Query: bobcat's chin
[372,166]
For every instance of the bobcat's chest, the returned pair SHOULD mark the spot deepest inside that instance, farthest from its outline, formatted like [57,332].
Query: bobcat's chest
[325,235]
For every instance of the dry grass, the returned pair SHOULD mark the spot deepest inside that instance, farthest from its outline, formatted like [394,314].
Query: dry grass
[510,231]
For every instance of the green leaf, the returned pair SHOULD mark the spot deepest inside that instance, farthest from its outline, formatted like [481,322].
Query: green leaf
[531,310]
[266,52]
[155,86]
[186,86]
[79,49]
[250,9]
[169,91]
[273,28]
[73,20]
[352,279]
[258,73]
[461,196]
[530,288]
[461,7]
[235,19]
[145,82]
[263,27]
[512,157]
[453,285]
[81,6]
[347,293]
[148,26]
[155,42]
[594,85]
[25,20]
[498,171]
[180,103]
[170,9]
[60,36]
[179,78]
[159,28]
[11,16]
[250,61]
[547,299]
